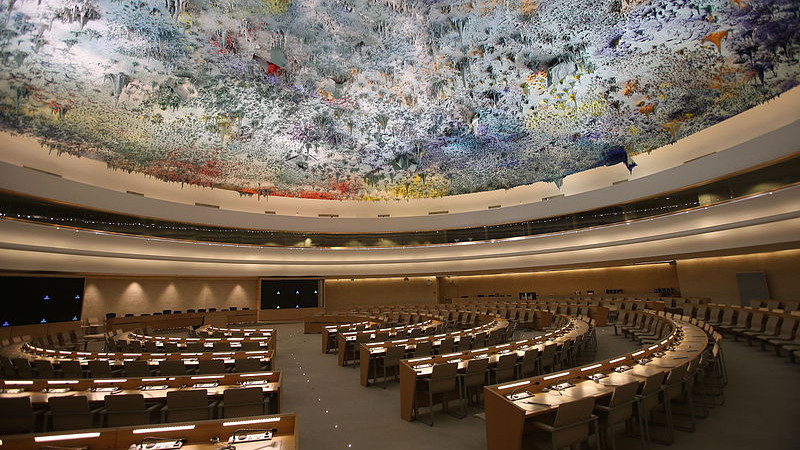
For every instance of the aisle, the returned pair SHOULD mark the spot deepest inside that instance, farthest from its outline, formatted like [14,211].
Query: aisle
[336,412]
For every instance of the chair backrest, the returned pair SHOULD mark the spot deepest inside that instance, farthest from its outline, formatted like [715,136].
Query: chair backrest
[727,316]
[151,347]
[125,410]
[250,345]
[173,367]
[71,369]
[787,328]
[44,368]
[465,342]
[743,318]
[23,366]
[16,415]
[196,347]
[100,369]
[423,348]
[443,378]
[447,345]
[70,413]
[529,362]
[136,368]
[393,355]
[247,365]
[185,406]
[243,402]
[505,367]
[572,412]
[222,346]
[757,322]
[771,327]
[211,366]
[623,394]
[170,347]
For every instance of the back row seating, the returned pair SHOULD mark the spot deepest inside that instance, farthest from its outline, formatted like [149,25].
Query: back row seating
[17,415]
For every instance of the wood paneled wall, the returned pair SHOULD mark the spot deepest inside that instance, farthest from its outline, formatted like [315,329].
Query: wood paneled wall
[138,295]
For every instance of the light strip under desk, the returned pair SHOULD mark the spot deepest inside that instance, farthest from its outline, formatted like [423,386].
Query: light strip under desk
[593,366]
[250,421]
[155,379]
[637,353]
[116,380]
[64,437]
[519,383]
[557,375]
[616,360]
[63,381]
[163,429]
[419,359]
[208,377]
[259,374]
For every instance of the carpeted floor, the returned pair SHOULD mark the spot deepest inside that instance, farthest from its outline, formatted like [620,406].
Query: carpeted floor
[336,412]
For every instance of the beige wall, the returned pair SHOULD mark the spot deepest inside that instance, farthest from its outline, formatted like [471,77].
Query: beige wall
[138,295]
[640,279]
[380,291]
[716,277]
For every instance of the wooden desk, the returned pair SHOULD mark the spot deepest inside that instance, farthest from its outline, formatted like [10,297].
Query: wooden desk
[414,371]
[346,341]
[316,323]
[198,434]
[330,332]
[266,341]
[506,414]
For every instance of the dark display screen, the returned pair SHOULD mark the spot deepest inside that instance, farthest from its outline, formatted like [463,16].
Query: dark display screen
[280,294]
[30,300]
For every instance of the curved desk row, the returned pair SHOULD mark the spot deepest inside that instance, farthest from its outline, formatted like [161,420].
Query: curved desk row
[152,388]
[349,342]
[198,435]
[414,371]
[510,406]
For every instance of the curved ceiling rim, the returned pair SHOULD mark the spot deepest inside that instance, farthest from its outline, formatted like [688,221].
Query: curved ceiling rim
[758,151]
[739,239]
[447,244]
[756,210]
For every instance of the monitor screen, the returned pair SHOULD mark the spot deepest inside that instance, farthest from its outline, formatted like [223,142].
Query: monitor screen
[280,294]
[31,300]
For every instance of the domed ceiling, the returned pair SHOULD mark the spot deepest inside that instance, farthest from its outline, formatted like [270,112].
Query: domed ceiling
[364,99]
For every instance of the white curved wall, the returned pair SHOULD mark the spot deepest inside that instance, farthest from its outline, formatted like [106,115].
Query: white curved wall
[757,136]
[762,220]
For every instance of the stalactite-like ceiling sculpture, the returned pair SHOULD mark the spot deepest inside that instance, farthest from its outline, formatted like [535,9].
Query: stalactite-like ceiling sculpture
[383,99]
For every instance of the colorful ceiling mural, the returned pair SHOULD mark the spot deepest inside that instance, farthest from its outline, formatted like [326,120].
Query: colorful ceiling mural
[383,99]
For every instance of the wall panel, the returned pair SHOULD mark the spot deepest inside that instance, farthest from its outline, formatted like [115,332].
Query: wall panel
[380,291]
[146,295]
[716,277]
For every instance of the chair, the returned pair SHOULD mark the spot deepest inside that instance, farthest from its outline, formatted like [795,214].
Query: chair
[447,345]
[17,416]
[222,346]
[243,402]
[211,366]
[44,369]
[570,426]
[464,343]
[170,347]
[424,348]
[187,406]
[528,366]
[392,360]
[23,367]
[70,413]
[137,369]
[71,369]
[547,362]
[618,409]
[505,368]
[442,381]
[100,369]
[195,347]
[250,346]
[649,399]
[128,409]
[247,365]
[172,367]
[474,376]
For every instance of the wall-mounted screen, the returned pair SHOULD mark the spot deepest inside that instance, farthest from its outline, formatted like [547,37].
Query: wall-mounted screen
[292,293]
[29,300]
